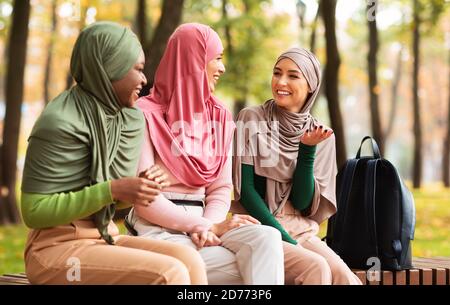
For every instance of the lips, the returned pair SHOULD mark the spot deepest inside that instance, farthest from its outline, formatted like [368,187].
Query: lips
[283,92]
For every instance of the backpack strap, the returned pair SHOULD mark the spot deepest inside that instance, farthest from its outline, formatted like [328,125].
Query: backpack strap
[369,201]
[408,219]
[375,149]
[344,194]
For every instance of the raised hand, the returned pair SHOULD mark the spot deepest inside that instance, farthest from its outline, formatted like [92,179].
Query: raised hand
[315,135]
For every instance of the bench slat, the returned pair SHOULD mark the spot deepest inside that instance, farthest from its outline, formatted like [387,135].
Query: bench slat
[426,276]
[439,276]
[413,277]
[388,278]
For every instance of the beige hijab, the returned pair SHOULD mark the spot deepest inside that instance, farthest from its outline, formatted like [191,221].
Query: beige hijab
[268,138]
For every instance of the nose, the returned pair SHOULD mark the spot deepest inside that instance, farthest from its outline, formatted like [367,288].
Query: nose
[143,79]
[282,81]
[221,68]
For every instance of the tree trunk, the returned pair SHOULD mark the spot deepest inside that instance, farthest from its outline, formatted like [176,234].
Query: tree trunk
[301,9]
[14,97]
[394,95]
[417,165]
[229,48]
[332,78]
[48,63]
[314,28]
[170,19]
[446,151]
[373,80]
[239,104]
[141,20]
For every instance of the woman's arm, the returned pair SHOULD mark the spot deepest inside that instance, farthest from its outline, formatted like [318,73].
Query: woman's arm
[43,211]
[162,211]
[255,205]
[165,213]
[303,180]
[218,195]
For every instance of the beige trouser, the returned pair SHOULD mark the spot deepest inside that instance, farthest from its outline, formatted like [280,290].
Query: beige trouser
[249,255]
[312,262]
[74,254]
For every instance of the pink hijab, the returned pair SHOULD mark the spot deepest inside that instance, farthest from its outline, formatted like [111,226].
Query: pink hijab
[189,127]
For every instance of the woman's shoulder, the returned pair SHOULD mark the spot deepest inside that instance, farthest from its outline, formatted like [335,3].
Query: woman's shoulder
[59,116]
[251,113]
[148,105]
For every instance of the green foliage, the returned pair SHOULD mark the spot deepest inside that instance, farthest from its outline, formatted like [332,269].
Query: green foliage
[5,19]
[432,222]
[430,12]
[12,244]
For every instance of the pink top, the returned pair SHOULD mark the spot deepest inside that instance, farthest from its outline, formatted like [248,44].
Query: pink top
[164,213]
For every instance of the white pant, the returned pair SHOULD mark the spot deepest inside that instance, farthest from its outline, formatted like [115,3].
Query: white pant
[250,255]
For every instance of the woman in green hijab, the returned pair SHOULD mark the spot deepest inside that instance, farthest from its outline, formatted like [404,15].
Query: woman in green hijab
[81,165]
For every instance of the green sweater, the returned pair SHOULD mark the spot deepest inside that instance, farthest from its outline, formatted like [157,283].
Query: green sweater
[253,190]
[50,210]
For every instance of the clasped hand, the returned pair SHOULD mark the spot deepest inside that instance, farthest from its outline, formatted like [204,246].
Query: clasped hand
[212,237]
[140,190]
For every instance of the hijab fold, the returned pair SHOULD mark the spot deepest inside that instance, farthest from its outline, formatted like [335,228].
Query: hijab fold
[268,138]
[84,136]
[189,127]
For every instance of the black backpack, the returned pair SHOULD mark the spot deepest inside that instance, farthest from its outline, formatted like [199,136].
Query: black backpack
[375,214]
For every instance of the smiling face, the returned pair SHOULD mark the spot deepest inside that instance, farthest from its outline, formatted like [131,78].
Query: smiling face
[214,69]
[128,87]
[289,87]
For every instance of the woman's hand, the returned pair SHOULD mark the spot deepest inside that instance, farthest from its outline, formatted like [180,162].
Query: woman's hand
[235,221]
[315,135]
[135,190]
[155,173]
[205,239]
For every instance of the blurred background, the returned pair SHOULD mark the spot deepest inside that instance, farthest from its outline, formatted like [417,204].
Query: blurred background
[386,73]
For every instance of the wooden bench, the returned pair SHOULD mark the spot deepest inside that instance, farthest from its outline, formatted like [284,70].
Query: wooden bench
[426,271]
[14,279]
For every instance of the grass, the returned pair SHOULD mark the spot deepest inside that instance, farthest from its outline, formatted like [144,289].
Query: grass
[12,244]
[432,236]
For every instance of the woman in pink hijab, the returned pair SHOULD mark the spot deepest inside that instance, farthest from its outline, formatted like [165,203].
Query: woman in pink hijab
[189,135]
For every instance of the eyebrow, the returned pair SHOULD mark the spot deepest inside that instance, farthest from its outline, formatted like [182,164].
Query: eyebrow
[296,71]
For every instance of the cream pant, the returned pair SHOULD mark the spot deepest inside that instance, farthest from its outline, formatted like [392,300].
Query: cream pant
[312,262]
[250,255]
[75,254]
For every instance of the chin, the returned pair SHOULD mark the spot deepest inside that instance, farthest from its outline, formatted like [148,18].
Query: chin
[280,103]
[132,101]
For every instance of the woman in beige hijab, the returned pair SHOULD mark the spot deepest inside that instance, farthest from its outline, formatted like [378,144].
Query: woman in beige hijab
[285,169]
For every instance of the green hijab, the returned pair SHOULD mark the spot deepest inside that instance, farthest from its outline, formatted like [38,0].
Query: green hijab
[84,136]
